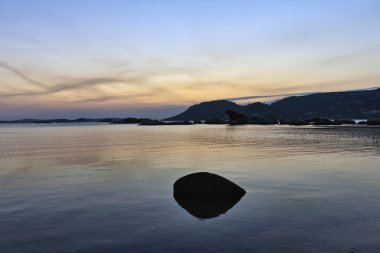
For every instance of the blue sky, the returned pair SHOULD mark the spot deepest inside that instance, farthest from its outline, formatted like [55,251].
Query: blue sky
[113,58]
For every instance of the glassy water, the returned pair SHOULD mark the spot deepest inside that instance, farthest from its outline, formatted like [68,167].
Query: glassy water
[108,188]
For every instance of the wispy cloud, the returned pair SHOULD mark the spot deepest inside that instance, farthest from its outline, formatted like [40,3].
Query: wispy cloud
[290,94]
[72,85]
[81,84]
[350,57]
[100,99]
[66,86]
[270,96]
[23,76]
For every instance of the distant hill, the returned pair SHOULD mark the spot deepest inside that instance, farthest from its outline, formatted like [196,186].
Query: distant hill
[348,104]
[207,110]
[257,108]
[79,120]
[337,105]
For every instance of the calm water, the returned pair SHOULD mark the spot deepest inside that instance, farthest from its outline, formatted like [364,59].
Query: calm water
[108,188]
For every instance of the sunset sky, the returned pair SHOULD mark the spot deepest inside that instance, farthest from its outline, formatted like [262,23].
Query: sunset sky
[90,58]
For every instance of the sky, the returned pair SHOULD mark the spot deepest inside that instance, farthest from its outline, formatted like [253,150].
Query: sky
[114,58]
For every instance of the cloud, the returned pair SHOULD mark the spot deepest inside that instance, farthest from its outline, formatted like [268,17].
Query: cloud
[350,57]
[81,84]
[132,77]
[270,96]
[66,86]
[99,99]
[20,74]
[73,85]
[291,94]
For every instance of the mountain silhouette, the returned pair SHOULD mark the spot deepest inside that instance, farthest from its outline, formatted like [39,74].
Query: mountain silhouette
[208,110]
[363,104]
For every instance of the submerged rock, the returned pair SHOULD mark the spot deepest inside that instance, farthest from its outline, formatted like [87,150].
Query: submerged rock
[206,195]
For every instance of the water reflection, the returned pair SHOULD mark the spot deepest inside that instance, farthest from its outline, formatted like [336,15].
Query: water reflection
[108,188]
[206,209]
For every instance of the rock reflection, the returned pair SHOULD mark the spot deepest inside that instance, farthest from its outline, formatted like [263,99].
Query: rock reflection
[204,209]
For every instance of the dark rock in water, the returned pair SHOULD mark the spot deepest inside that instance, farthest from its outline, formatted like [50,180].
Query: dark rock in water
[215,121]
[152,123]
[263,119]
[130,121]
[345,121]
[298,123]
[205,209]
[236,118]
[43,121]
[324,122]
[373,122]
[178,123]
[294,122]
[206,195]
[206,186]
[161,123]
[127,121]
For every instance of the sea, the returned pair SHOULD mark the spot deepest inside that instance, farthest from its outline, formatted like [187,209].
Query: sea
[109,188]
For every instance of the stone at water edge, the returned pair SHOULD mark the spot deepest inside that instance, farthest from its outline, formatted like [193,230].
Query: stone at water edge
[207,186]
[205,195]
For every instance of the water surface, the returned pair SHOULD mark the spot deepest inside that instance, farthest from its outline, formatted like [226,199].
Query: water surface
[108,188]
